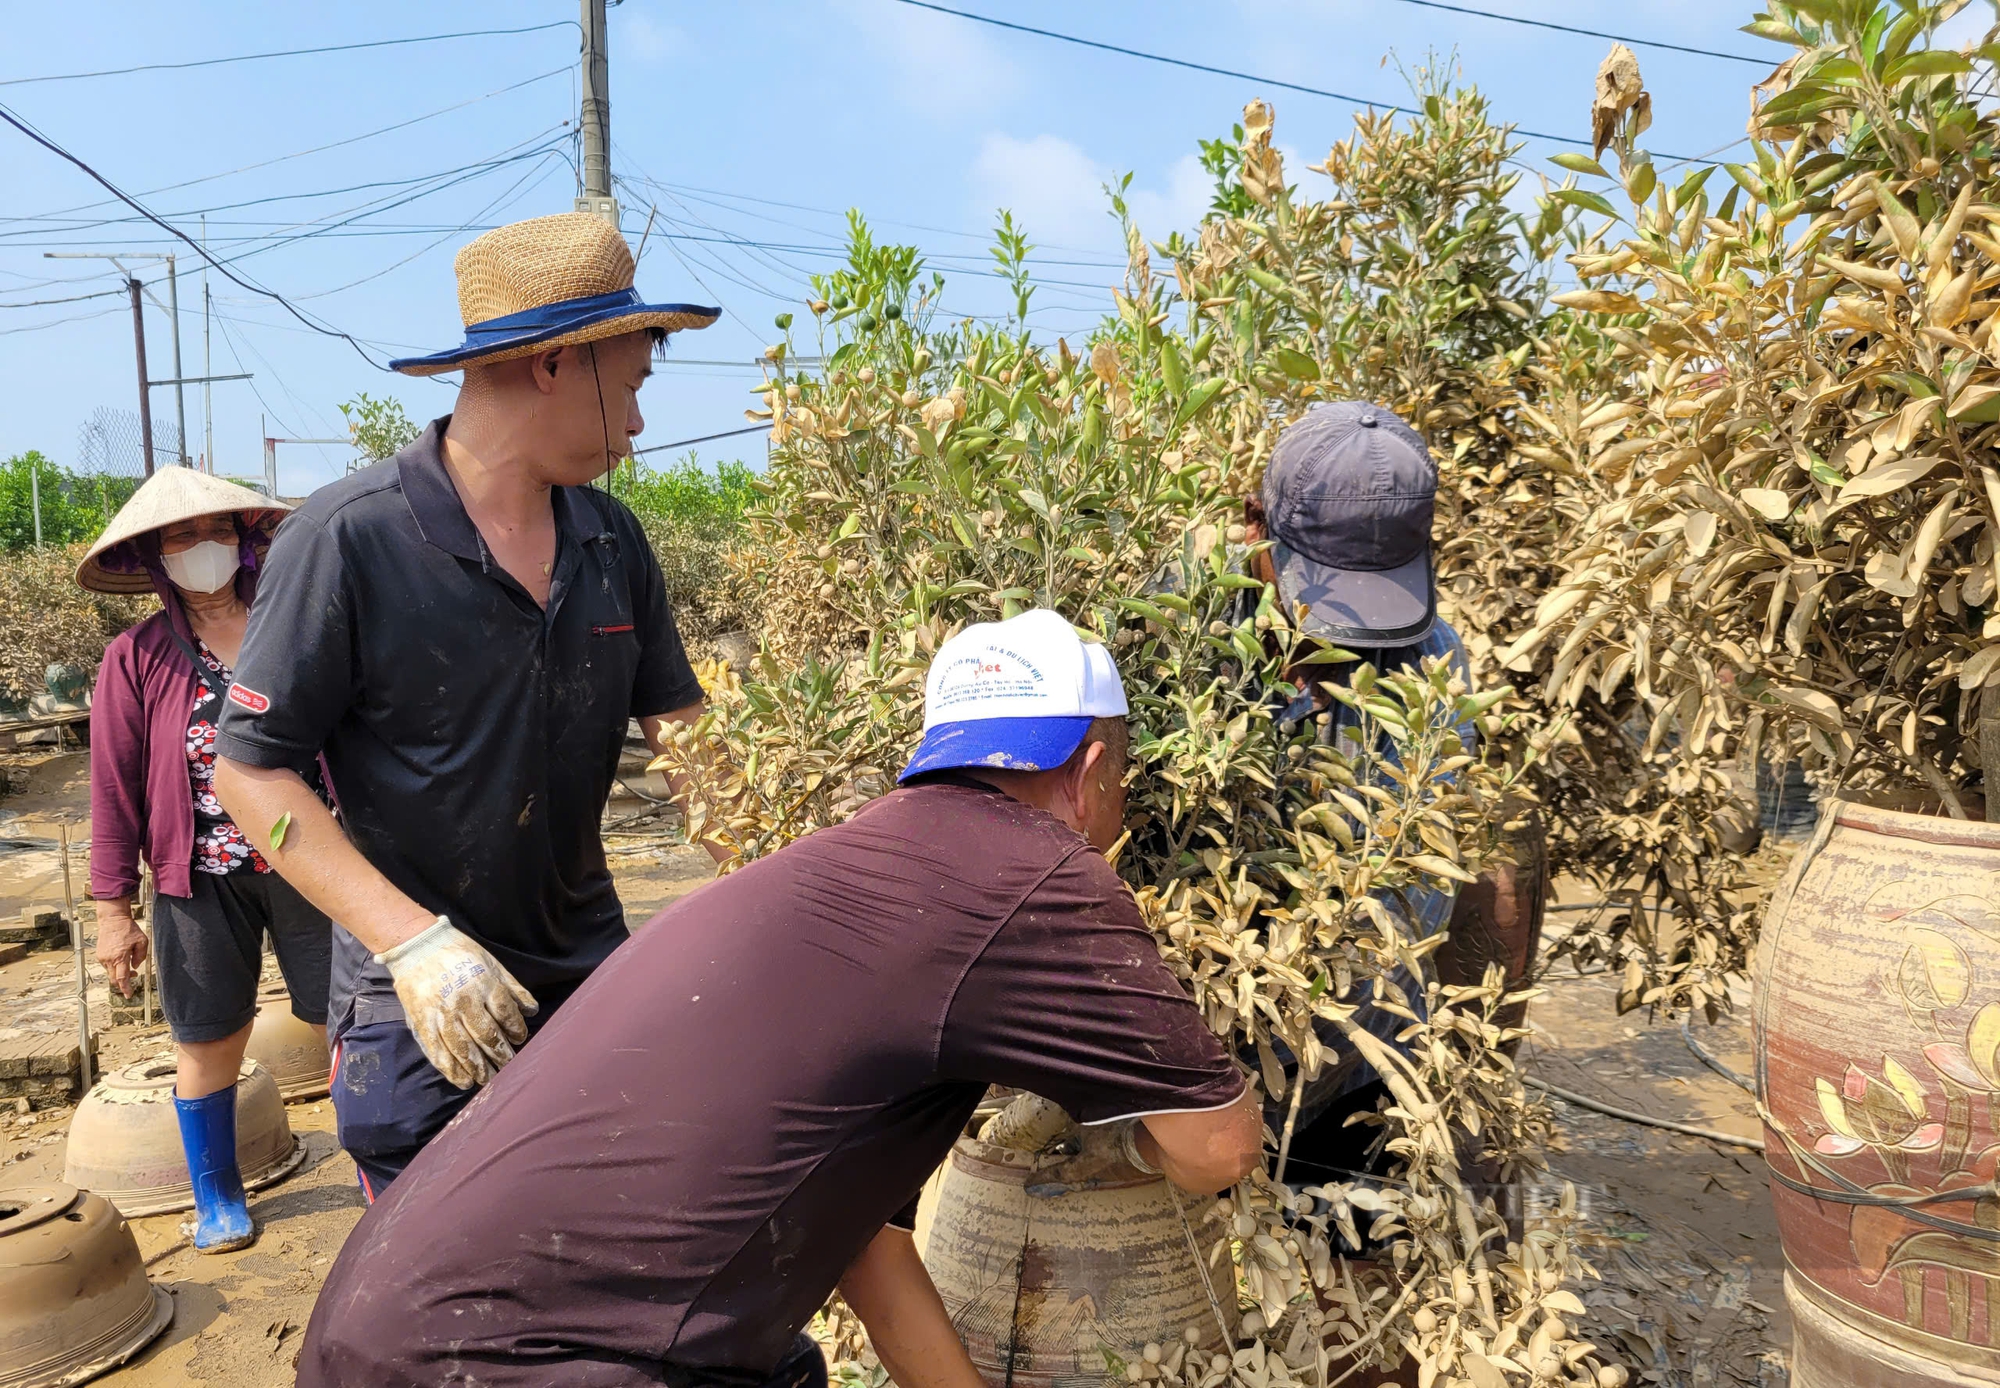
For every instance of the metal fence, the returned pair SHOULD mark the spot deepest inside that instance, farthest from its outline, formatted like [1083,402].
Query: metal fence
[46,500]
[111,443]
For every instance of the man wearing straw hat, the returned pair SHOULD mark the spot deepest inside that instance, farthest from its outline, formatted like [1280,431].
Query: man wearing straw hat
[464,630]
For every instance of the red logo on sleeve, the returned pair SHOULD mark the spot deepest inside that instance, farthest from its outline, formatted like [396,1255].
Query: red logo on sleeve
[249,698]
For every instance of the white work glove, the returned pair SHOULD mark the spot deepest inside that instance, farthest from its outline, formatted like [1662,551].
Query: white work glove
[467,1012]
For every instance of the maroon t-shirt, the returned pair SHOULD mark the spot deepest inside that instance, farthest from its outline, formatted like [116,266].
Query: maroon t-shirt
[681,1165]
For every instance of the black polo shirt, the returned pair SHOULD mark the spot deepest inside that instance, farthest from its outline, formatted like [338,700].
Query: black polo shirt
[471,737]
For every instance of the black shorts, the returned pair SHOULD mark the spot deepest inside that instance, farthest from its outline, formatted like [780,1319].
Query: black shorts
[210,948]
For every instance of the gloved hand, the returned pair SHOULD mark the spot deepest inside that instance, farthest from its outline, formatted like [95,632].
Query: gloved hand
[467,1012]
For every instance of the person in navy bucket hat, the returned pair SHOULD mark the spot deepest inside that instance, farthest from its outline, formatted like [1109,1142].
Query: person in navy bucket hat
[1348,499]
[1347,505]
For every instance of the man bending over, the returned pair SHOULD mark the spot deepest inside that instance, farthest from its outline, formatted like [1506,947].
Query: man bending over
[736,1114]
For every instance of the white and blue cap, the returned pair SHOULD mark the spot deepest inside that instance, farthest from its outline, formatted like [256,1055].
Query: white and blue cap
[1017,695]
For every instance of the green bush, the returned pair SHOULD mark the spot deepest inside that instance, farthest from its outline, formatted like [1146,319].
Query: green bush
[379,428]
[694,519]
[685,491]
[75,506]
[45,619]
[708,593]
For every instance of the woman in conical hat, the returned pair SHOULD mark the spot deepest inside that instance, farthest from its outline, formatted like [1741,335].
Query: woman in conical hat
[197,541]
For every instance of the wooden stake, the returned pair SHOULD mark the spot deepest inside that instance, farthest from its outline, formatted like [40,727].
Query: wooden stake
[82,976]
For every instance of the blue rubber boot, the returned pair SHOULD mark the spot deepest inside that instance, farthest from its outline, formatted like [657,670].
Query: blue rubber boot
[208,1136]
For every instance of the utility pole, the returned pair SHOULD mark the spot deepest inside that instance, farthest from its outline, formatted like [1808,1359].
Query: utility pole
[173,307]
[207,367]
[180,394]
[596,116]
[145,395]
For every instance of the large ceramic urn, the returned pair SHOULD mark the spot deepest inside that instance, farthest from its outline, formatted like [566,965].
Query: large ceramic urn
[125,1140]
[295,1052]
[1878,1068]
[74,1299]
[1054,1266]
[1497,918]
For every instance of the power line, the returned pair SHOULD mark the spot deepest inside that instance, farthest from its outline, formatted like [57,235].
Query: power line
[705,438]
[284,53]
[316,149]
[1220,71]
[1592,33]
[72,225]
[70,299]
[56,149]
[454,231]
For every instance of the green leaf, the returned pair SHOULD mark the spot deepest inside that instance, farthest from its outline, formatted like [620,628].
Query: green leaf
[1931,62]
[1776,32]
[1139,607]
[1198,400]
[1172,370]
[1579,163]
[1691,185]
[1265,279]
[1644,179]
[1328,655]
[1295,364]
[280,830]
[1746,179]
[1871,37]
[1908,382]
[1828,473]
[1590,202]
[1986,411]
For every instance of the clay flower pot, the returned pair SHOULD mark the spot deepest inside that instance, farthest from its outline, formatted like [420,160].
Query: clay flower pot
[125,1142]
[293,1051]
[74,1299]
[1052,1262]
[1878,1067]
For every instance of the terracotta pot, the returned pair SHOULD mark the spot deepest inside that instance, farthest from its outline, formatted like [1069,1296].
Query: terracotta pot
[293,1051]
[74,1299]
[1052,1261]
[1878,1065]
[125,1141]
[1498,918]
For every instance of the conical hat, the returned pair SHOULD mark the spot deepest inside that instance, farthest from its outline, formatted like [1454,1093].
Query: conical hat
[169,495]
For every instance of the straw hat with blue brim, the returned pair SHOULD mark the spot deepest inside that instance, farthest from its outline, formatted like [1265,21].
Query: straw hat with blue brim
[1348,499]
[544,283]
[1018,695]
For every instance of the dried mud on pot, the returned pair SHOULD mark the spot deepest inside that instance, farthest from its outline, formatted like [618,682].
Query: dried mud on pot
[295,1052]
[74,1298]
[1060,1270]
[1878,1069]
[125,1141]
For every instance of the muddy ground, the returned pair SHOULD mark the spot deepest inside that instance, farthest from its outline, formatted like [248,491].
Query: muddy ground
[1681,1228]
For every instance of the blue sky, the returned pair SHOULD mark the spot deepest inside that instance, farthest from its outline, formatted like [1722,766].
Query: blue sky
[742,129]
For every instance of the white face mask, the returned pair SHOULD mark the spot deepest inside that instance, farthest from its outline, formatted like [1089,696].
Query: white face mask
[203,567]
